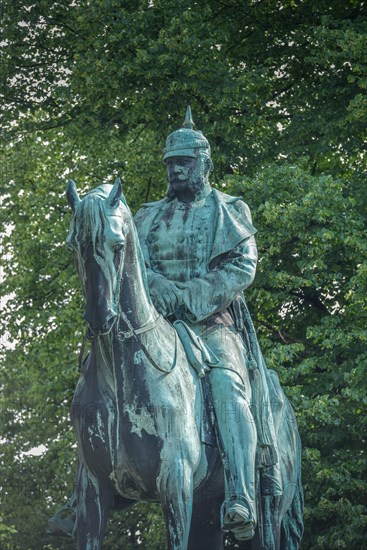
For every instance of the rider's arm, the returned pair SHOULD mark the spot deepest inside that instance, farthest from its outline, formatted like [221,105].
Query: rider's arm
[217,289]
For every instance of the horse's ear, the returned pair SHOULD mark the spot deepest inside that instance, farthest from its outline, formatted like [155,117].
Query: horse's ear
[72,195]
[116,194]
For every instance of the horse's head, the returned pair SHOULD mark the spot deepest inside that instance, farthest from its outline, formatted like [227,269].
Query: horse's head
[97,238]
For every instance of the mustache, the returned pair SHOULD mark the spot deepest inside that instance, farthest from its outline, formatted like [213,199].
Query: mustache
[178,177]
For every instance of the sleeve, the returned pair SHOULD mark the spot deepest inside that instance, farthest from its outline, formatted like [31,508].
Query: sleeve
[215,291]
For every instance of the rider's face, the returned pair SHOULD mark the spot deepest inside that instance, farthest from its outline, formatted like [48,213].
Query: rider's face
[180,171]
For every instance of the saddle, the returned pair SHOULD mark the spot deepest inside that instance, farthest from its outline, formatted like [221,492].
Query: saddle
[202,359]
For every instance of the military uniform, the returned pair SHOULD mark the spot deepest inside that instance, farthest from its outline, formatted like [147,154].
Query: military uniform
[211,256]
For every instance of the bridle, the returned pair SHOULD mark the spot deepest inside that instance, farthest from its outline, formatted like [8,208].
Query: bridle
[131,333]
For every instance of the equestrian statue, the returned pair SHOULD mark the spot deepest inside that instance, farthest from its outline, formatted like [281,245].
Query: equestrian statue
[174,403]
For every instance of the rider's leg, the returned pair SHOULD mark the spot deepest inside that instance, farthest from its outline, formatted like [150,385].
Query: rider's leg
[238,441]
[231,393]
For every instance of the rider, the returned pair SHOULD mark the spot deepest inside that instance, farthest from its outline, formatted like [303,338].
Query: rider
[200,254]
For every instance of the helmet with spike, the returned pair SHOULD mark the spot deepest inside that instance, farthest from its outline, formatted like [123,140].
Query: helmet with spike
[186,142]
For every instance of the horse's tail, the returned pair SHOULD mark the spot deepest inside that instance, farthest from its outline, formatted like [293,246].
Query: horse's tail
[292,523]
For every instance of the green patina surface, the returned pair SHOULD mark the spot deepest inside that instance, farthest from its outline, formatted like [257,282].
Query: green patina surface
[189,259]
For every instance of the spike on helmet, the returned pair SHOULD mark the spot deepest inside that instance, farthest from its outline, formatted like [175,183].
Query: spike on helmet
[186,142]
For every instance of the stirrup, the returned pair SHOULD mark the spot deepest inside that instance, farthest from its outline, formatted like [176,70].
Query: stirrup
[62,526]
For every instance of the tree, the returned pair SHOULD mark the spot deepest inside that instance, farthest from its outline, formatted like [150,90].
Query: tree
[308,300]
[278,87]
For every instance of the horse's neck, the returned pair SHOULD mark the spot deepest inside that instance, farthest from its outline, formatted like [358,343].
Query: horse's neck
[136,311]
[135,301]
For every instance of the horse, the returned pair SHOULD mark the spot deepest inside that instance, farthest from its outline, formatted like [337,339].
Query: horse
[138,405]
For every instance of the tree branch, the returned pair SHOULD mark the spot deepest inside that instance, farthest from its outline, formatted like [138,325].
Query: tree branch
[287,338]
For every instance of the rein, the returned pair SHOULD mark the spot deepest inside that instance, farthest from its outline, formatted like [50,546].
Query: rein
[133,333]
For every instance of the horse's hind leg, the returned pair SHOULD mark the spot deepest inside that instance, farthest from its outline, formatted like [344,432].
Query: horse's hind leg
[205,531]
[93,504]
[176,490]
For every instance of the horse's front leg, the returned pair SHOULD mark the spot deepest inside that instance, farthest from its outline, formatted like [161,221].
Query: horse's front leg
[176,491]
[93,504]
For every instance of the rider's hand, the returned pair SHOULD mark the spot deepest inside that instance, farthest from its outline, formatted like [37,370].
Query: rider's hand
[165,295]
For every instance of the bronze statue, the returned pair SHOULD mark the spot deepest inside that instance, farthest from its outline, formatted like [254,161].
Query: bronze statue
[175,403]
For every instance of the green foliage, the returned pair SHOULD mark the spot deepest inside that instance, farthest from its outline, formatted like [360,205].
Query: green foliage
[141,526]
[309,304]
[279,88]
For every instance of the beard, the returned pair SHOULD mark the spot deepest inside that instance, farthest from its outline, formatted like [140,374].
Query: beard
[195,184]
